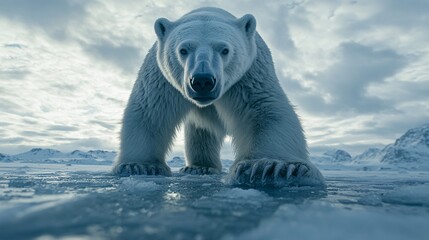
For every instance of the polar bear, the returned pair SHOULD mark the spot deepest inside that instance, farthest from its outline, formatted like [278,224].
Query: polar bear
[213,72]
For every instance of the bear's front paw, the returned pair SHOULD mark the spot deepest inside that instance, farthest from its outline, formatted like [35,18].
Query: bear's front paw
[265,172]
[199,170]
[127,169]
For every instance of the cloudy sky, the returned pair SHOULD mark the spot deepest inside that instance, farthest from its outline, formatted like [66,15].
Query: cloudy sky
[358,71]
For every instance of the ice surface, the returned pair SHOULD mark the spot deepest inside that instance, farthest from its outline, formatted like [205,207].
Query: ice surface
[315,220]
[51,201]
[409,195]
[238,193]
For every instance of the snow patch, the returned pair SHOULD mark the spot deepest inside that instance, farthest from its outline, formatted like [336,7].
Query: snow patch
[316,220]
[139,185]
[409,195]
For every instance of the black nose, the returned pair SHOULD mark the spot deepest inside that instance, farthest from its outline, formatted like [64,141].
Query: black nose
[203,83]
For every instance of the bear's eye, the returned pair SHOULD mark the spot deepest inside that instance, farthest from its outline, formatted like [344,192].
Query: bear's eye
[183,51]
[225,51]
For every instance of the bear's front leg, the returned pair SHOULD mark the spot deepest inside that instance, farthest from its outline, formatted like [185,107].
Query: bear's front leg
[269,141]
[149,124]
[147,132]
[146,136]
[202,151]
[202,144]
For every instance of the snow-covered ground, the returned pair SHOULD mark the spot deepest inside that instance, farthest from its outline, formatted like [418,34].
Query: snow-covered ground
[51,201]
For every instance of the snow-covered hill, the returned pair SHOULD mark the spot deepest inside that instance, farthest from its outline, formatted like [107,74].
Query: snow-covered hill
[410,151]
[5,158]
[412,147]
[39,154]
[334,156]
[47,155]
[372,155]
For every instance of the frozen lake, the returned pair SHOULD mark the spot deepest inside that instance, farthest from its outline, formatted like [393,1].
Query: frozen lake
[51,201]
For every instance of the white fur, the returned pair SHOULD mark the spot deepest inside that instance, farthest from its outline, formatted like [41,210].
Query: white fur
[251,106]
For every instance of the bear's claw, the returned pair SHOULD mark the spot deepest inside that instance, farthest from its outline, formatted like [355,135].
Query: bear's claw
[199,170]
[290,170]
[127,169]
[267,171]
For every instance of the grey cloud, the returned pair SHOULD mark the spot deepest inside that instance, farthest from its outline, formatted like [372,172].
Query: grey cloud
[16,74]
[61,88]
[402,91]
[3,124]
[398,14]
[392,127]
[15,148]
[126,57]
[348,80]
[13,45]
[103,124]
[13,108]
[29,133]
[29,120]
[62,139]
[62,128]
[13,140]
[64,86]
[277,32]
[116,100]
[360,65]
[51,16]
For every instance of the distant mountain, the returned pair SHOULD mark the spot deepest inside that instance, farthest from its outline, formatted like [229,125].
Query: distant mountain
[338,155]
[412,147]
[5,158]
[39,154]
[47,155]
[410,151]
[333,156]
[372,155]
[102,154]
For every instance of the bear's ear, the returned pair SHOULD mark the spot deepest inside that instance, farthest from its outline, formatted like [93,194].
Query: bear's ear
[248,24]
[162,26]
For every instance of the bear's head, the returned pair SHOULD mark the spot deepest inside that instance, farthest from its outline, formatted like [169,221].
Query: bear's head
[205,52]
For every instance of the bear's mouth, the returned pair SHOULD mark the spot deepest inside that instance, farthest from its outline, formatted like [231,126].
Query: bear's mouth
[204,99]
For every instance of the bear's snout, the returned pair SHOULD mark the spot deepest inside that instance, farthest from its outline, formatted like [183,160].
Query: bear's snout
[203,83]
